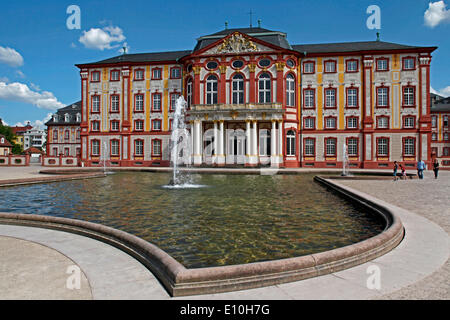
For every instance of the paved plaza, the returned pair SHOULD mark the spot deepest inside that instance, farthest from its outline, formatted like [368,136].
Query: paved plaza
[34,261]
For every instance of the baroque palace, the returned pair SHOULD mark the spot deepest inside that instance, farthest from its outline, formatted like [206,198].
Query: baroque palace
[255,100]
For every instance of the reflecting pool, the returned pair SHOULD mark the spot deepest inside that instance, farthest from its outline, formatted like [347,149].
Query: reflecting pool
[234,219]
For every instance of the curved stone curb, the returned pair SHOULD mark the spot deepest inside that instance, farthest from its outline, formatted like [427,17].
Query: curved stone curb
[180,281]
[65,177]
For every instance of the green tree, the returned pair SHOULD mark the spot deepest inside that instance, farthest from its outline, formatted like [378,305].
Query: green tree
[10,136]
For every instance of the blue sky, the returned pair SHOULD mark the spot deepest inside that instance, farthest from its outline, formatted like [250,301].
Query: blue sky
[38,52]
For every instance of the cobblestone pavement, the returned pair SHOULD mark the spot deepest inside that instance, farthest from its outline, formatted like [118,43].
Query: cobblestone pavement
[430,198]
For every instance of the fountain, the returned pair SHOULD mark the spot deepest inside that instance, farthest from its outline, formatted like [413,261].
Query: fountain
[105,146]
[345,162]
[181,149]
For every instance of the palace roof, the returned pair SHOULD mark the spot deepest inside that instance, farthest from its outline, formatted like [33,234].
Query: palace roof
[276,38]
[441,105]
[72,110]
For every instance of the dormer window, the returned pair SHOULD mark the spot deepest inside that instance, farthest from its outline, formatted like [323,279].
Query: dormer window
[66,117]
[55,118]
[78,117]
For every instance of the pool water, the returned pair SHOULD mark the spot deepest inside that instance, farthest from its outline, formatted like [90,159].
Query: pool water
[233,219]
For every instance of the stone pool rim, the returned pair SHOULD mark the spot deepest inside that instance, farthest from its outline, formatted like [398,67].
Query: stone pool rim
[181,281]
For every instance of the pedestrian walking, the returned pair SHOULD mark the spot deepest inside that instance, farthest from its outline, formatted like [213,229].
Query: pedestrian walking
[436,168]
[395,170]
[403,172]
[420,168]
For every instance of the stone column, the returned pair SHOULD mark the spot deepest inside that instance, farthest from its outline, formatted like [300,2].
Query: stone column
[280,142]
[215,145]
[273,145]
[368,123]
[198,148]
[221,156]
[254,159]
[248,142]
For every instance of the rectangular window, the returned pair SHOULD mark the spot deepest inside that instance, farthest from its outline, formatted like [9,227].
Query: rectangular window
[382,64]
[352,98]
[309,98]
[434,136]
[66,152]
[330,98]
[95,147]
[173,100]
[382,122]
[330,147]
[382,97]
[115,75]
[383,147]
[95,125]
[115,125]
[139,103]
[408,97]
[139,74]
[446,136]
[310,148]
[139,125]
[115,101]
[156,74]
[156,148]
[352,147]
[446,151]
[95,104]
[445,121]
[352,66]
[330,66]
[352,123]
[308,67]
[138,147]
[309,123]
[409,64]
[114,147]
[156,125]
[95,76]
[409,122]
[156,102]
[55,152]
[175,73]
[330,123]
[409,148]
[433,121]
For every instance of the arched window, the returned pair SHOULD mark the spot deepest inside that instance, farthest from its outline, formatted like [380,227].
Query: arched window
[264,88]
[238,89]
[290,143]
[189,92]
[211,90]
[290,90]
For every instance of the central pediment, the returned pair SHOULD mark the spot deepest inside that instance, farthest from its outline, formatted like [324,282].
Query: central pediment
[236,43]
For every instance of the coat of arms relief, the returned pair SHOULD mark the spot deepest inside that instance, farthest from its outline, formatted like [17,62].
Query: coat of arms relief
[237,44]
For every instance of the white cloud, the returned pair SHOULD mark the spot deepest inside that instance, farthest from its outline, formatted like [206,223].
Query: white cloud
[445,92]
[10,57]
[436,14]
[35,123]
[20,92]
[4,79]
[102,39]
[20,74]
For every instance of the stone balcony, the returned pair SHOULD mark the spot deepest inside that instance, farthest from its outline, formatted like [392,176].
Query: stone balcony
[238,111]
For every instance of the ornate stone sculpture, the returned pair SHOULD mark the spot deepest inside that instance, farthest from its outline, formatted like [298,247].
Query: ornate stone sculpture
[237,43]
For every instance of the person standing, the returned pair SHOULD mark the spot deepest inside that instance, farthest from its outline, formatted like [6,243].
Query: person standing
[395,170]
[420,168]
[402,168]
[436,168]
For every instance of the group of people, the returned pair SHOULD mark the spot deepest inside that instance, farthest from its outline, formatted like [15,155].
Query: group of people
[420,167]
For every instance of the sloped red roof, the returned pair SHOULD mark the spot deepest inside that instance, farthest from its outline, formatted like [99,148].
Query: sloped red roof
[33,150]
[5,143]
[21,129]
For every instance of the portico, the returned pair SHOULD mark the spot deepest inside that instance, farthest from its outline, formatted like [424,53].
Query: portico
[248,135]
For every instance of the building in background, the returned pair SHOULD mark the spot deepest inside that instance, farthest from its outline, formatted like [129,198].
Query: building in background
[5,146]
[440,134]
[19,132]
[254,99]
[63,131]
[34,137]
